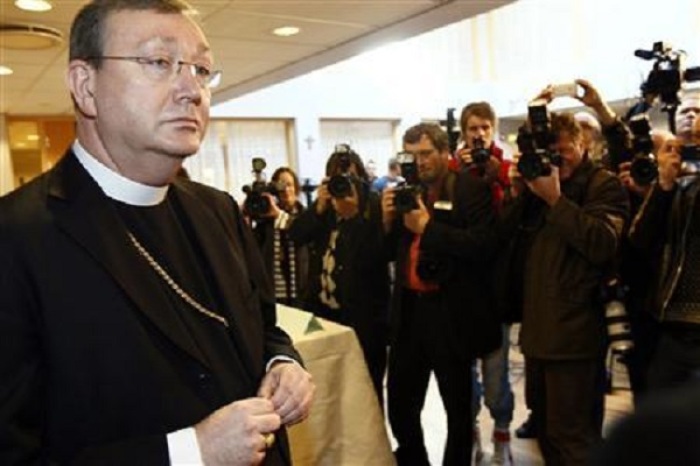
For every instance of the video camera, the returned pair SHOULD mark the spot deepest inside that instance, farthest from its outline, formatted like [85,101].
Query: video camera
[534,140]
[340,184]
[407,190]
[667,74]
[256,204]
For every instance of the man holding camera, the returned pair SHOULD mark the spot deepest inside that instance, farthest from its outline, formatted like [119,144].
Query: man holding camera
[667,223]
[348,278]
[483,158]
[562,231]
[441,313]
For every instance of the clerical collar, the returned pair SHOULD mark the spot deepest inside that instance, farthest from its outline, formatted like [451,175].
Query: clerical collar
[115,185]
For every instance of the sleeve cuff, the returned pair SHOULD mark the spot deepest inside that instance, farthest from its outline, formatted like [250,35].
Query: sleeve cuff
[279,358]
[183,448]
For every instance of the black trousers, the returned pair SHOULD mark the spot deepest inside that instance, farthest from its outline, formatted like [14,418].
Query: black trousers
[677,359]
[566,408]
[422,347]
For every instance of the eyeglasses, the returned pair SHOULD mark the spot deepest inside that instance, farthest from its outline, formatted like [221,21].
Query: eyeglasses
[165,69]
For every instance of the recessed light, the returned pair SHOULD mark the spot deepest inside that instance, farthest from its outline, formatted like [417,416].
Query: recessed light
[33,5]
[286,31]
[5,71]
[32,137]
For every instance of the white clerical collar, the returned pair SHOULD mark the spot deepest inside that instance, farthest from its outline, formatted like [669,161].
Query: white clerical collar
[115,185]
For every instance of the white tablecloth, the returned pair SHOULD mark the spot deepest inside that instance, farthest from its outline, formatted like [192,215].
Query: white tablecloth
[345,427]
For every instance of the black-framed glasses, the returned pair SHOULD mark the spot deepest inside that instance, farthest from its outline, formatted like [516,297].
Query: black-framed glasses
[159,68]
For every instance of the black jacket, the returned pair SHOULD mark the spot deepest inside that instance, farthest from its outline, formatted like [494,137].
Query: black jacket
[570,248]
[465,242]
[97,366]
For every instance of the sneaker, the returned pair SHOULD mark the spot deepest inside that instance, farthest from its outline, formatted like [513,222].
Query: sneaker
[477,451]
[502,455]
[528,429]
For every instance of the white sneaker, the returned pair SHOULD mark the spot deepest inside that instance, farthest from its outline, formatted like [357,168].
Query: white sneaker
[477,451]
[502,454]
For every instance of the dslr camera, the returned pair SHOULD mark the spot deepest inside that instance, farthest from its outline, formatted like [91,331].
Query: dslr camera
[480,153]
[256,204]
[340,184]
[407,190]
[534,141]
[643,169]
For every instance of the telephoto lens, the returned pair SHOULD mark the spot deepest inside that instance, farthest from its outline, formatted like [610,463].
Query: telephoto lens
[618,324]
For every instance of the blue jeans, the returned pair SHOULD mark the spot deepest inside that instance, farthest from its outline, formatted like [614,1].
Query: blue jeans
[495,385]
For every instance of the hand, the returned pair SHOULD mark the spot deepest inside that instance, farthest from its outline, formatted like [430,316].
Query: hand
[417,219]
[517,184]
[347,207]
[546,94]
[233,435]
[274,211]
[465,155]
[388,208]
[591,98]
[669,160]
[546,187]
[290,389]
[323,197]
[625,177]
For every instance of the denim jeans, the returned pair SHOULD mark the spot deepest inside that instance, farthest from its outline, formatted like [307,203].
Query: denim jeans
[495,385]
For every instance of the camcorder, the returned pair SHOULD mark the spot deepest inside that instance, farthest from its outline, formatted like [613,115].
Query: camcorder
[479,152]
[534,140]
[668,73]
[406,191]
[256,204]
[340,184]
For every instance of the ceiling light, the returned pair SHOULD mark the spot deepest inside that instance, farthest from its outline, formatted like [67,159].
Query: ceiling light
[32,137]
[286,31]
[5,71]
[28,37]
[33,5]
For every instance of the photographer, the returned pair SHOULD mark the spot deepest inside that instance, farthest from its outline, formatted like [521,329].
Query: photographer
[483,158]
[561,232]
[668,225]
[348,278]
[287,263]
[441,314]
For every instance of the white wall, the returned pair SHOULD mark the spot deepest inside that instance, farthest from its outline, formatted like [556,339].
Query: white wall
[505,57]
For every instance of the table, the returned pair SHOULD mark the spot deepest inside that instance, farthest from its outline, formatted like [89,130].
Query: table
[345,426]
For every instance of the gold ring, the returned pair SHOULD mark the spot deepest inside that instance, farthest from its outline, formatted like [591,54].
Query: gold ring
[269,440]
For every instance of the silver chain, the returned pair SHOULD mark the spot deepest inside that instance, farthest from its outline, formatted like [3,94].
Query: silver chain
[172,284]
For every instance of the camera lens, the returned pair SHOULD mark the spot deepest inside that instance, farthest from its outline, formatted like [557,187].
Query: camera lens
[339,186]
[532,165]
[643,170]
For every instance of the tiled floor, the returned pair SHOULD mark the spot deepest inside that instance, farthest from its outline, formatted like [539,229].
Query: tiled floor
[525,452]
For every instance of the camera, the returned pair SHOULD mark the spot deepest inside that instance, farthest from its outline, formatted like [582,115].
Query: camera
[667,74]
[616,319]
[340,184]
[256,204]
[534,141]
[690,153]
[480,153]
[643,169]
[407,190]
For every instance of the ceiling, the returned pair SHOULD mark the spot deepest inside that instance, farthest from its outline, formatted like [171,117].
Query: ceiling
[239,31]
